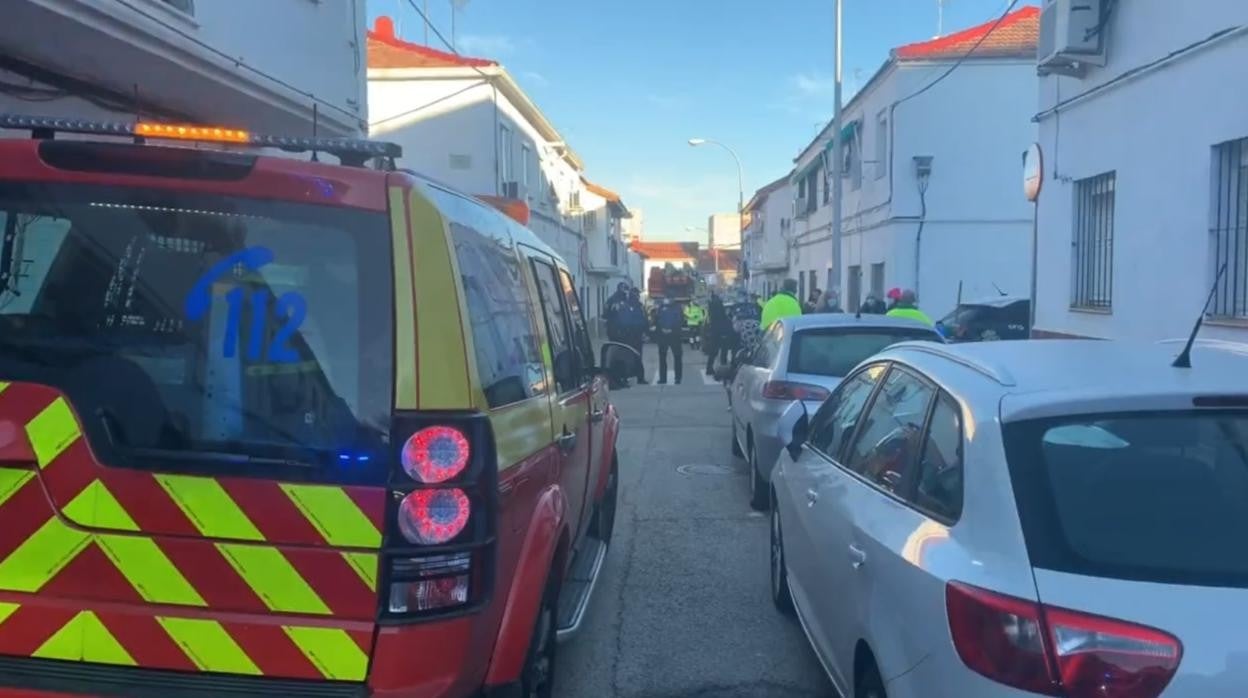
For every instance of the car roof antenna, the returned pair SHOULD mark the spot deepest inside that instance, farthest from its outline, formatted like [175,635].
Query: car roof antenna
[1184,359]
[315,119]
[999,291]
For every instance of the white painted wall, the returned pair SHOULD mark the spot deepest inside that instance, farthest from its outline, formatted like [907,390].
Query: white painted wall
[260,68]
[1157,132]
[449,123]
[634,228]
[975,125]
[769,229]
[724,230]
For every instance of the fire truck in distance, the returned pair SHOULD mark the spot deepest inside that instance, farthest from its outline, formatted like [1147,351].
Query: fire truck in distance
[672,282]
[273,426]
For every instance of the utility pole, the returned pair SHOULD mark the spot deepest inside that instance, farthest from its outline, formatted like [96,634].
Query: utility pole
[940,18]
[837,161]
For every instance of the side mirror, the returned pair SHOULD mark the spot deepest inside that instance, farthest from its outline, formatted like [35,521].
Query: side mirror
[793,428]
[619,361]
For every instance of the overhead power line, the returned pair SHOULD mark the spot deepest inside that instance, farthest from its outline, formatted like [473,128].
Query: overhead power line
[1009,8]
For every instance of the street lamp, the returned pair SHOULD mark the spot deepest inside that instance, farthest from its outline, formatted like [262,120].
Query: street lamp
[695,142]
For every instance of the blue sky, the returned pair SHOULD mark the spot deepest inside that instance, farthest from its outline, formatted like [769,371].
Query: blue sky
[628,83]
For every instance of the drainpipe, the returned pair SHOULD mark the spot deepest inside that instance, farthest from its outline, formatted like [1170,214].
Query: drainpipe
[922,174]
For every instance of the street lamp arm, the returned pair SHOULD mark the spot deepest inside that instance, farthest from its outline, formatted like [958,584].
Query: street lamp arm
[740,176]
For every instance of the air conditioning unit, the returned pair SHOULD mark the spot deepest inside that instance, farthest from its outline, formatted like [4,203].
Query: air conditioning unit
[1072,36]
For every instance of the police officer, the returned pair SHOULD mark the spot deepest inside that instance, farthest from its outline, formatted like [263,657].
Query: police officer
[615,305]
[668,324]
[632,320]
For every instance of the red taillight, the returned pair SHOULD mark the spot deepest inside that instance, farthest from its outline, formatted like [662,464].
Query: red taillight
[435,454]
[433,517]
[1104,658]
[1020,643]
[786,390]
[440,543]
[1000,637]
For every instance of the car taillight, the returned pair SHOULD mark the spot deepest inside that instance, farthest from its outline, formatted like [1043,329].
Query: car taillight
[433,517]
[440,543]
[1057,652]
[788,390]
[435,454]
[1106,658]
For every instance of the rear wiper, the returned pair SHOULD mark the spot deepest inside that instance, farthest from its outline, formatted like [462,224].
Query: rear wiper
[216,457]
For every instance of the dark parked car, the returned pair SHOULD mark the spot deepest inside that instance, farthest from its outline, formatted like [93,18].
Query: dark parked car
[990,319]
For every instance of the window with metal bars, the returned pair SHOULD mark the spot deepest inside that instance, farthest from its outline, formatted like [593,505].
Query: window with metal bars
[1092,267]
[1230,227]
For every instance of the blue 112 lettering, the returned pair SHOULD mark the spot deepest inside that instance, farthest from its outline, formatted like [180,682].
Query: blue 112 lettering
[290,309]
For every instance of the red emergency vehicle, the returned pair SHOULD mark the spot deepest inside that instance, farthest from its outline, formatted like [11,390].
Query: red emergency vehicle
[272,426]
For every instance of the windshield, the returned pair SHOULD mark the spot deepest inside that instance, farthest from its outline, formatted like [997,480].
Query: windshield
[198,324]
[835,352]
[1155,497]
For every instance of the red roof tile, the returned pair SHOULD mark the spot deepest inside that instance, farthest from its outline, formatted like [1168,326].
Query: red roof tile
[601,190]
[1016,35]
[666,250]
[385,50]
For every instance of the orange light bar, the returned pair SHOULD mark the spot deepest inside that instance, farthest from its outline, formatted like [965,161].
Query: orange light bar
[514,209]
[192,133]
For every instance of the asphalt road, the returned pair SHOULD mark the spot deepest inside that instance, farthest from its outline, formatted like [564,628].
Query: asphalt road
[682,609]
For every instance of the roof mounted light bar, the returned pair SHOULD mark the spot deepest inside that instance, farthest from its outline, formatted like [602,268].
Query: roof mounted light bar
[350,151]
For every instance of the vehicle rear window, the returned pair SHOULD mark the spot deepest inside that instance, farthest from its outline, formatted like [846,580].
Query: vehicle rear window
[835,352]
[1159,497]
[195,324]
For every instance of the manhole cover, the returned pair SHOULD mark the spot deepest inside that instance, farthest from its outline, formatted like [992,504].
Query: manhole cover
[705,469]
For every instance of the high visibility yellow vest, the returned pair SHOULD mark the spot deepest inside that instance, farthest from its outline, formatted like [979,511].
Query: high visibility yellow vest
[911,313]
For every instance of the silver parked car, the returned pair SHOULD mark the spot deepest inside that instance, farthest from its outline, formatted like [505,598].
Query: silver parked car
[802,358]
[1060,518]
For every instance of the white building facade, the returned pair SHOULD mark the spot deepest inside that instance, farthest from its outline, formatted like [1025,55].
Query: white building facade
[1145,188]
[723,230]
[189,60]
[765,247]
[931,199]
[466,122]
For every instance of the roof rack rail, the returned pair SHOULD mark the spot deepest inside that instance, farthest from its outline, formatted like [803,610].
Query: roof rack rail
[998,374]
[353,152]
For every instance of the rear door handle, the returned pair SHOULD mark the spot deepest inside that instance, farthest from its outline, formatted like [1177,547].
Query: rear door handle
[597,415]
[567,442]
[857,556]
[812,496]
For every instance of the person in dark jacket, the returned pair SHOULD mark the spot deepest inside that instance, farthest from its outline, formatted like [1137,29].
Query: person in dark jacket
[873,306]
[667,329]
[721,335]
[633,323]
[615,305]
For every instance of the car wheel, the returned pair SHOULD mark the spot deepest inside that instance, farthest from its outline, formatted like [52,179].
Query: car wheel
[538,676]
[780,595]
[736,446]
[759,494]
[604,514]
[869,684]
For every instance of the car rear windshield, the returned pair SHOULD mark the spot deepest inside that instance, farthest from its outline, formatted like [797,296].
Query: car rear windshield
[832,351]
[1160,497]
[202,332]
